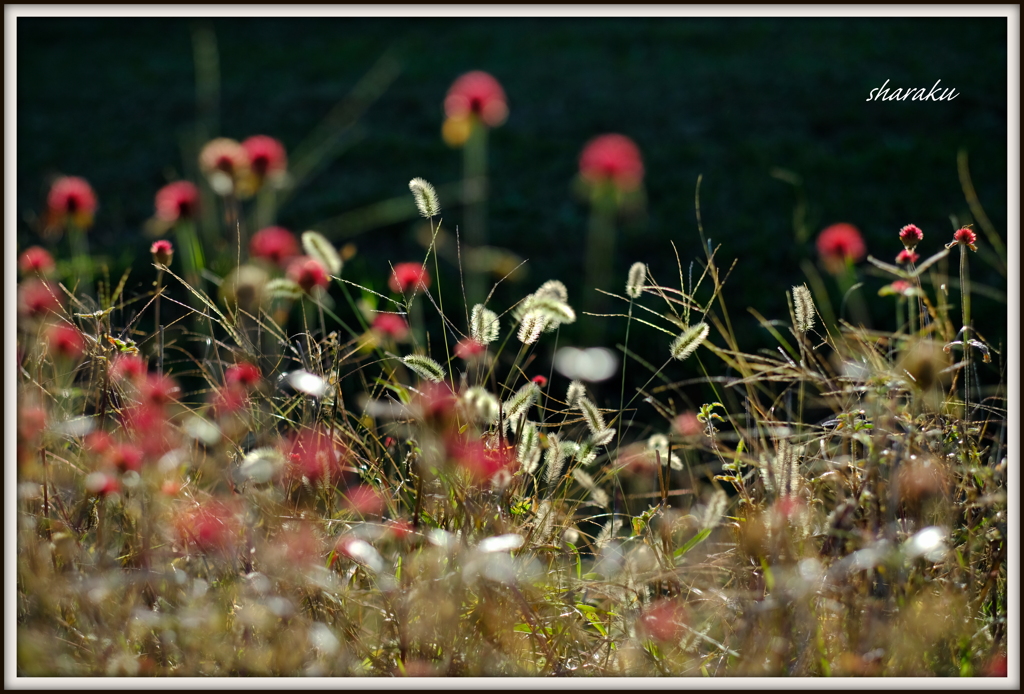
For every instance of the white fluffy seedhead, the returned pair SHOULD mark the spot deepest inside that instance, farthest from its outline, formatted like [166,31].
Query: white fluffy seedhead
[426,197]
[635,280]
[320,249]
[803,308]
[483,325]
[688,341]
[425,367]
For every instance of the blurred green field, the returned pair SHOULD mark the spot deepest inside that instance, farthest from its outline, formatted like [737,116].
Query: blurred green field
[114,100]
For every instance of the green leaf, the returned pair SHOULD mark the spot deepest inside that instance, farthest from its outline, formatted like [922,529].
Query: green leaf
[693,542]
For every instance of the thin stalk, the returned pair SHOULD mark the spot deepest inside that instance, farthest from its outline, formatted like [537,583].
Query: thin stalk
[965,302]
[80,260]
[600,250]
[474,186]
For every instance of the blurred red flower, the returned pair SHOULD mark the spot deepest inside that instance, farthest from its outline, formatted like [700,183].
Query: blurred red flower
[71,196]
[540,380]
[211,526]
[839,243]
[178,200]
[364,500]
[37,298]
[477,93]
[266,155]
[392,325]
[468,348]
[408,275]
[907,256]
[36,260]
[127,366]
[31,422]
[66,341]
[664,620]
[315,454]
[687,424]
[224,154]
[276,244]
[308,273]
[481,462]
[158,389]
[613,158]
[125,456]
[102,483]
[225,163]
[243,374]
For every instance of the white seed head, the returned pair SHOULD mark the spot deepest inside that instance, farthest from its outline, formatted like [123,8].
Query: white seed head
[481,405]
[603,437]
[635,280]
[803,308]
[530,328]
[426,197]
[554,458]
[529,450]
[483,325]
[688,341]
[319,248]
[425,367]
[595,420]
[576,391]
[521,402]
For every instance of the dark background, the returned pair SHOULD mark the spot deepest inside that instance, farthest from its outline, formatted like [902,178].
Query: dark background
[114,100]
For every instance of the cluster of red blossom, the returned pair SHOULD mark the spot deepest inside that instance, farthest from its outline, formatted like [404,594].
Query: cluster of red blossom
[842,243]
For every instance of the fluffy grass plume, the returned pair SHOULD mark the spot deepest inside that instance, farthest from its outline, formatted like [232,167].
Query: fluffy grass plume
[425,367]
[688,341]
[319,248]
[635,280]
[426,198]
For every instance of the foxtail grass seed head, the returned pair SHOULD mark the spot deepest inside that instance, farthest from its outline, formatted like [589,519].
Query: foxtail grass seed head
[553,311]
[481,404]
[597,495]
[529,449]
[484,325]
[803,308]
[283,288]
[635,280]
[554,459]
[522,401]
[426,198]
[576,391]
[425,367]
[688,341]
[320,249]
[714,509]
[530,328]
[553,289]
[595,420]
[603,437]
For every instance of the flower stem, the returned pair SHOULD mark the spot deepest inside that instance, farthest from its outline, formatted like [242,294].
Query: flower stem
[474,190]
